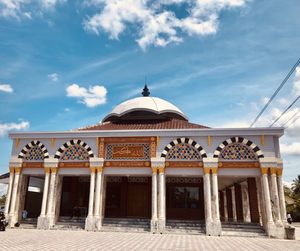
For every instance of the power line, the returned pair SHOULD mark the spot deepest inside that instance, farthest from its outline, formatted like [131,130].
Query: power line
[286,122]
[294,121]
[276,92]
[289,107]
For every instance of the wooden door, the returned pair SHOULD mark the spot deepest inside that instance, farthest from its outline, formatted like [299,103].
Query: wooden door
[138,200]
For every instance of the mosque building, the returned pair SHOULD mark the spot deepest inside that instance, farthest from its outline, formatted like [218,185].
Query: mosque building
[146,167]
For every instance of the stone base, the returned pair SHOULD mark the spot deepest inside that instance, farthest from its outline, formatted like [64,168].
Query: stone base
[275,231]
[43,223]
[98,223]
[12,220]
[90,223]
[213,228]
[154,226]
[161,226]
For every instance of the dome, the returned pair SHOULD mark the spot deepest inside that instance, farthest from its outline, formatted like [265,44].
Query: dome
[145,107]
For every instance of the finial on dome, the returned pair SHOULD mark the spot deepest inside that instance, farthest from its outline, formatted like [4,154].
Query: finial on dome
[146,92]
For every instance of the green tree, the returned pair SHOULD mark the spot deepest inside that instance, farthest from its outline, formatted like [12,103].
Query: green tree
[296,187]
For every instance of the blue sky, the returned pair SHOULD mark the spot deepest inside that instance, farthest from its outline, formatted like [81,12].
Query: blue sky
[65,64]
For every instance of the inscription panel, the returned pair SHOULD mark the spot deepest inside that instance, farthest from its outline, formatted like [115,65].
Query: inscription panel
[128,151]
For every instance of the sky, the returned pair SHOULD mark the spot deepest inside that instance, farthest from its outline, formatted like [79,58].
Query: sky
[65,64]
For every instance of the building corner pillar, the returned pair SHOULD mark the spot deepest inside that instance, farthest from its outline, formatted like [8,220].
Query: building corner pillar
[15,166]
[281,196]
[9,191]
[268,165]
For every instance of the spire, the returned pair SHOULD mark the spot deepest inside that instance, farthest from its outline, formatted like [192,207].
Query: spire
[146,92]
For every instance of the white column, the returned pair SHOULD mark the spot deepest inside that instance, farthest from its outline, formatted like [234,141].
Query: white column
[275,195]
[154,194]
[245,201]
[207,196]
[45,192]
[234,216]
[9,191]
[14,191]
[92,192]
[162,194]
[215,195]
[281,196]
[225,205]
[98,191]
[267,195]
[50,210]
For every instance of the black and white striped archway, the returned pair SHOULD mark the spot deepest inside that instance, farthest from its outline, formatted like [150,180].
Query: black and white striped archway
[240,140]
[32,144]
[186,141]
[72,142]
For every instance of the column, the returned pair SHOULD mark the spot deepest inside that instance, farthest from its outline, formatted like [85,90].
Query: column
[275,196]
[245,202]
[98,198]
[50,206]
[266,193]
[92,192]
[9,191]
[215,203]
[162,199]
[281,196]
[207,199]
[14,191]
[225,206]
[45,192]
[89,222]
[154,200]
[234,216]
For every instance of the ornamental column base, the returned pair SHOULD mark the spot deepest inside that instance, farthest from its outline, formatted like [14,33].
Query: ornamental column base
[154,226]
[98,223]
[43,222]
[161,226]
[90,223]
[274,231]
[213,228]
[12,219]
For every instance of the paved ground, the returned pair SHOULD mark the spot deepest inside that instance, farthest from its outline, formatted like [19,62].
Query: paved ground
[27,239]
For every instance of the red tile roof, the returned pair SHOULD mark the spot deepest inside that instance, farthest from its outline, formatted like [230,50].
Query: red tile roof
[144,125]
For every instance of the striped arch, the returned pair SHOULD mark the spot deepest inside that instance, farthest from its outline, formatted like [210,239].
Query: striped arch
[66,145]
[32,144]
[241,140]
[183,140]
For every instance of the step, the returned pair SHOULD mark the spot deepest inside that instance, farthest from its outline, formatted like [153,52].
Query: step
[27,226]
[124,229]
[256,230]
[243,234]
[184,231]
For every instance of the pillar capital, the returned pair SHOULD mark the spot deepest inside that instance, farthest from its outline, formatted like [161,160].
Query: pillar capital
[15,162]
[273,170]
[93,169]
[47,169]
[51,163]
[53,170]
[264,170]
[154,170]
[210,162]
[158,162]
[268,162]
[161,170]
[96,162]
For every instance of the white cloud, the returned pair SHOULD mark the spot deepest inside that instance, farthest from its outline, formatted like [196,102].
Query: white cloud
[290,149]
[19,9]
[91,97]
[53,77]
[157,24]
[6,127]
[6,88]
